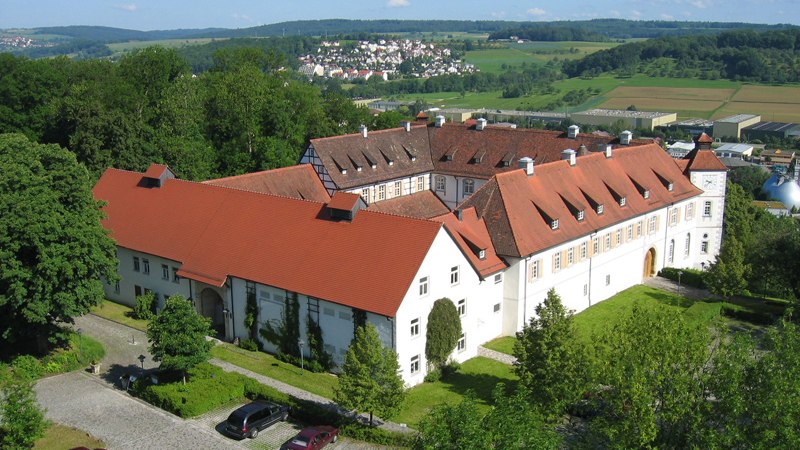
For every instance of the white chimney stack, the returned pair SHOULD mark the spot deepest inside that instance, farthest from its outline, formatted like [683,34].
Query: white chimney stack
[481,124]
[607,151]
[625,137]
[572,131]
[406,125]
[569,155]
[363,130]
[440,121]
[526,163]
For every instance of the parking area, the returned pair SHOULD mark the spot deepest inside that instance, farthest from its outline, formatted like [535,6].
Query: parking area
[273,437]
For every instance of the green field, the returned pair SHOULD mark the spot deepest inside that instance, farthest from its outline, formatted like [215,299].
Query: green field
[122,47]
[492,60]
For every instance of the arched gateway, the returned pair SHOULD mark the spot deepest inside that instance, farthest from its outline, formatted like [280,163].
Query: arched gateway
[650,263]
[211,306]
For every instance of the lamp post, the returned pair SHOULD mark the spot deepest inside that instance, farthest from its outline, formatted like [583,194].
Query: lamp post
[80,345]
[679,279]
[141,360]
[300,344]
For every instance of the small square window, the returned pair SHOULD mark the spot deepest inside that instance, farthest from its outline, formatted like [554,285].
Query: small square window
[581,214]
[498,278]
[497,307]
[646,194]
[554,224]
[415,363]
[415,327]
[454,275]
[423,286]
[461,306]
[622,201]
[599,209]
[461,345]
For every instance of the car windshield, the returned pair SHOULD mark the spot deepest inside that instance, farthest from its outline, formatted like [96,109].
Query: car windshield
[301,441]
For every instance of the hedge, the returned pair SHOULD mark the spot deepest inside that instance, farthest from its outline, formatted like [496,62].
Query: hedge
[689,277]
[76,354]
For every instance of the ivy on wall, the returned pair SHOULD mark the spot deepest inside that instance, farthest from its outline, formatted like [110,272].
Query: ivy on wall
[287,333]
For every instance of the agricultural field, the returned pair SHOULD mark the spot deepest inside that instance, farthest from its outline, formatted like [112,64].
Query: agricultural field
[514,54]
[122,47]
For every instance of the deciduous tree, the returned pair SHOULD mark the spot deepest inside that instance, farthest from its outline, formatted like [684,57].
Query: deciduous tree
[178,336]
[444,331]
[22,420]
[369,380]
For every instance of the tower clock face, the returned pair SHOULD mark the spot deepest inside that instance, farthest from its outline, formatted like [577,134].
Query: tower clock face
[709,182]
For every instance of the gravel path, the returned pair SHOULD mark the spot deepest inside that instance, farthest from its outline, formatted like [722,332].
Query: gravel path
[497,356]
[671,286]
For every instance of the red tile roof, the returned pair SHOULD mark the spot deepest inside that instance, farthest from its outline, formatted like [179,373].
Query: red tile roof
[295,181]
[343,200]
[471,235]
[216,232]
[703,160]
[704,138]
[424,204]
[155,170]
[518,209]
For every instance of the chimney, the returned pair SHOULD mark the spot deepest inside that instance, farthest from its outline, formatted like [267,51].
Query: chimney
[572,131]
[569,155]
[406,125]
[625,137]
[363,130]
[607,151]
[440,121]
[582,150]
[458,215]
[527,164]
[481,124]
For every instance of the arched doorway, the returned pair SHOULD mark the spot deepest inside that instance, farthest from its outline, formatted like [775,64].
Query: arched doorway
[650,263]
[211,306]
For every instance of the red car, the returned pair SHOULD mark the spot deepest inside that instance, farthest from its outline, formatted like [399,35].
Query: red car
[313,438]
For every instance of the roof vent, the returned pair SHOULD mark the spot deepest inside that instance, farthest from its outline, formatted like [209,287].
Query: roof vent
[625,137]
[526,163]
[569,155]
[363,130]
[440,120]
[572,131]
[582,150]
[481,124]
[607,151]
[406,125]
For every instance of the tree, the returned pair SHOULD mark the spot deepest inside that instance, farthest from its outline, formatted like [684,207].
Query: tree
[369,380]
[53,249]
[444,331]
[178,336]
[551,362]
[22,420]
[727,276]
[453,427]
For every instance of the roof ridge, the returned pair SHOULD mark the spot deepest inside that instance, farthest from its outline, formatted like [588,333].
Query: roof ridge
[232,188]
[252,174]
[351,135]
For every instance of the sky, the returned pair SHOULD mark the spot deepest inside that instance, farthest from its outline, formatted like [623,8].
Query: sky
[174,14]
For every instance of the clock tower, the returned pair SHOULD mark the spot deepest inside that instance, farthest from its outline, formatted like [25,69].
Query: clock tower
[708,174]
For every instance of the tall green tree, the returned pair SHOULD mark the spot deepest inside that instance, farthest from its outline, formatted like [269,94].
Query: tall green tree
[178,336]
[53,249]
[443,332]
[552,364]
[22,421]
[369,380]
[454,427]
[728,275]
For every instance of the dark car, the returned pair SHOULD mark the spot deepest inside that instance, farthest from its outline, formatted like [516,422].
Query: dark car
[253,417]
[312,438]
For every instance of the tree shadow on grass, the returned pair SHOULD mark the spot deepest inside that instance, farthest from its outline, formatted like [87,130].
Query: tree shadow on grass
[480,383]
[668,298]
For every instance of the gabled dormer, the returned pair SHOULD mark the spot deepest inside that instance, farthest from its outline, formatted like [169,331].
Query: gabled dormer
[643,191]
[156,175]
[550,219]
[618,197]
[596,206]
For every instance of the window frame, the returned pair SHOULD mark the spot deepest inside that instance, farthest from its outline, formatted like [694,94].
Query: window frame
[414,327]
[165,272]
[414,366]
[146,266]
[461,307]
[468,187]
[461,343]
[707,208]
[440,184]
[137,265]
[424,286]
[455,275]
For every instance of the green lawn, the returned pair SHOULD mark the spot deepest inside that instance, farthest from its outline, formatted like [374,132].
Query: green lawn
[503,344]
[58,437]
[478,374]
[120,314]
[265,364]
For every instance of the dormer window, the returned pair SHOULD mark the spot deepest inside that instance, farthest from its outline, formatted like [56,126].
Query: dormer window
[599,209]
[554,224]
[580,215]
[482,254]
[646,194]
[622,201]
[670,187]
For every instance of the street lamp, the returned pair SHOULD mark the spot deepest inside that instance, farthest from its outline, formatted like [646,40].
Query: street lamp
[679,279]
[300,343]
[141,360]
[80,345]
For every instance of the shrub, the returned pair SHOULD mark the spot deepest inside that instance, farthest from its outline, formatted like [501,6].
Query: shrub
[250,344]
[145,306]
[450,369]
[374,435]
[747,315]
[433,376]
[689,277]
[27,367]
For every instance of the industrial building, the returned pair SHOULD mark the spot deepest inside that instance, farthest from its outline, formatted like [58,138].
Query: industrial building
[732,126]
[632,119]
[765,130]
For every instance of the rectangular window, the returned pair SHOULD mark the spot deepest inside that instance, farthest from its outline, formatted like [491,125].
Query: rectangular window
[585,290]
[600,209]
[607,240]
[461,306]
[595,245]
[461,345]
[420,184]
[165,271]
[638,228]
[469,187]
[622,201]
[344,315]
[440,183]
[673,216]
[398,189]
[629,234]
[454,275]
[584,250]
[671,251]
[415,327]
[365,194]
[116,287]
[136,265]
[557,261]
[137,290]
[580,215]
[381,192]
[690,210]
[608,282]
[554,224]
[175,277]
[497,307]
[423,286]
[618,237]
[533,271]
[145,266]
[498,278]
[651,225]
[570,256]
[704,247]
[687,247]
[707,209]
[415,363]
[328,311]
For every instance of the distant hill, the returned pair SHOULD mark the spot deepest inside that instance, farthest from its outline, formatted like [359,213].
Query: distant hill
[109,34]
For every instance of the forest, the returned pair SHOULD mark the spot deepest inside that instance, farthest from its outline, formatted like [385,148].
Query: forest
[242,115]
